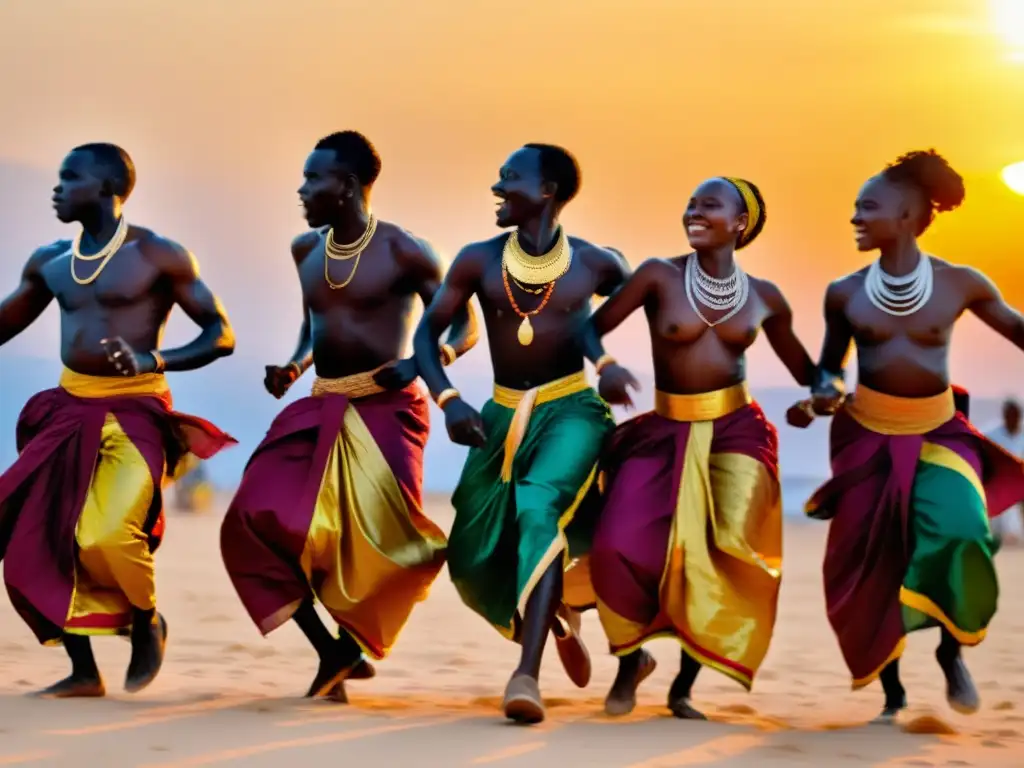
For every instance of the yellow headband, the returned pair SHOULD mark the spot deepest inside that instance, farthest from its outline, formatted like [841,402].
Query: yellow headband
[750,201]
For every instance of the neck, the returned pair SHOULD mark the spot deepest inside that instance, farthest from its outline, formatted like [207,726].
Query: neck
[537,236]
[718,262]
[899,258]
[100,223]
[351,220]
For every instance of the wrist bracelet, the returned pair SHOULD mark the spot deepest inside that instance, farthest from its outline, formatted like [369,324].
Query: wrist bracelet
[297,367]
[161,364]
[448,354]
[449,394]
[603,362]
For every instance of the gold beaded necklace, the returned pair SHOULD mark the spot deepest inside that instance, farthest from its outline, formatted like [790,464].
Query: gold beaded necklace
[345,252]
[537,270]
[104,254]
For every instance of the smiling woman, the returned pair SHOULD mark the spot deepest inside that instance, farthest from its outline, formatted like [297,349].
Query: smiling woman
[1013,176]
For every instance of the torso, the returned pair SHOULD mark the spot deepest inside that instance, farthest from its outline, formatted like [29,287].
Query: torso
[366,324]
[556,351]
[906,356]
[690,356]
[129,299]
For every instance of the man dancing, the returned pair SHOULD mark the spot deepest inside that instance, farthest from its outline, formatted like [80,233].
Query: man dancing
[536,444]
[330,503]
[81,510]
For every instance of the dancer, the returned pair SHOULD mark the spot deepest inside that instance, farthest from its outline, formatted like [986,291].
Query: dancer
[535,446]
[913,483]
[81,511]
[689,542]
[330,505]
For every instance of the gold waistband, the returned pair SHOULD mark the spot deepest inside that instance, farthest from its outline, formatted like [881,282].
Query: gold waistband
[354,386]
[85,386]
[545,393]
[704,406]
[891,415]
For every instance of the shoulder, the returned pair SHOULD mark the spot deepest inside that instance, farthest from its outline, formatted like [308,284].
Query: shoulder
[410,249]
[303,245]
[841,290]
[768,292]
[44,254]
[482,252]
[596,256]
[169,256]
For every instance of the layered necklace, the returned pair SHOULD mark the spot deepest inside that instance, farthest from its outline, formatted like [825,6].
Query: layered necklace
[900,296]
[346,252]
[728,294]
[103,255]
[526,270]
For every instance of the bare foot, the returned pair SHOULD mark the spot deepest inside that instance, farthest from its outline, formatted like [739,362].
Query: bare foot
[571,649]
[363,670]
[148,646]
[74,686]
[960,691]
[633,670]
[338,694]
[890,713]
[523,703]
[679,701]
[333,671]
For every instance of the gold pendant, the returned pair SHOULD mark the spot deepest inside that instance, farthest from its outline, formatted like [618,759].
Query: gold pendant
[525,334]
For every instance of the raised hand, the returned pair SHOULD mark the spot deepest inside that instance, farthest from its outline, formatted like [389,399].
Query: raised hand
[614,384]
[465,426]
[398,375]
[280,378]
[125,360]
[800,415]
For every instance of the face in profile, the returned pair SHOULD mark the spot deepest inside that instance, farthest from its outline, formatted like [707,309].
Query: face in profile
[1011,416]
[715,216]
[80,186]
[521,190]
[881,214]
[323,187]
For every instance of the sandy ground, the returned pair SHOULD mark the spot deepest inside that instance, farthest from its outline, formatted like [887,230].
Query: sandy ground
[228,696]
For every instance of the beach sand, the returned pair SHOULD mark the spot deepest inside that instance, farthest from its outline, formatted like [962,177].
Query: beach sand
[228,696]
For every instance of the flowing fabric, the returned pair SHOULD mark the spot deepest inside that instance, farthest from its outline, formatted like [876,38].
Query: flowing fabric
[689,542]
[81,509]
[524,499]
[331,505]
[909,545]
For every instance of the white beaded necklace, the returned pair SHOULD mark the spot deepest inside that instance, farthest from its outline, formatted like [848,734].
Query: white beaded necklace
[728,294]
[900,296]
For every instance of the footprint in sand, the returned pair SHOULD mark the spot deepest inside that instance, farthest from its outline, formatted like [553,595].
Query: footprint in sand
[993,744]
[737,709]
[1004,706]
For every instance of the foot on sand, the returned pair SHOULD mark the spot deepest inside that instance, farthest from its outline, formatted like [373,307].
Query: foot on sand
[338,694]
[148,644]
[890,712]
[633,670]
[75,686]
[679,700]
[571,650]
[363,670]
[523,703]
[960,691]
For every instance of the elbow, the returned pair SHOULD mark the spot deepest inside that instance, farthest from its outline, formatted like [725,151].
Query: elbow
[224,346]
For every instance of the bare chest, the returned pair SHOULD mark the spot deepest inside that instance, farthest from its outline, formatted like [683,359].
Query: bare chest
[127,279]
[368,281]
[674,318]
[929,326]
[503,297]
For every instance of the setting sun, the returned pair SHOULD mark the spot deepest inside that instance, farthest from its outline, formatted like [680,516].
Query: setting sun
[1013,175]
[1008,16]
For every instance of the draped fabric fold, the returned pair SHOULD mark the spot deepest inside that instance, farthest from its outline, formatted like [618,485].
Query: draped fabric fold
[527,497]
[331,505]
[81,510]
[909,545]
[689,541]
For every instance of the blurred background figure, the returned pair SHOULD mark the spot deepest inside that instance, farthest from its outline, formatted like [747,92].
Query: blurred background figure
[1008,527]
[193,491]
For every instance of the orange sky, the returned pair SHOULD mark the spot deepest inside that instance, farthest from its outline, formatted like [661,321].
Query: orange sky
[805,97]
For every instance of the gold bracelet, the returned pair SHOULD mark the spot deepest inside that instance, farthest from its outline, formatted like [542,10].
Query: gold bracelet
[448,355]
[297,367]
[603,362]
[449,394]
[161,364]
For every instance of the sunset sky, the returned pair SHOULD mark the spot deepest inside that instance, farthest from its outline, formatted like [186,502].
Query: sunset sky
[807,98]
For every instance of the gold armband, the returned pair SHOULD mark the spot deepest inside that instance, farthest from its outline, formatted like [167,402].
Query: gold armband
[161,364]
[449,394]
[448,354]
[603,362]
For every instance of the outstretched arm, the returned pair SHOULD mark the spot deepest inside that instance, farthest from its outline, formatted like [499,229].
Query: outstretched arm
[988,305]
[778,327]
[29,300]
[216,338]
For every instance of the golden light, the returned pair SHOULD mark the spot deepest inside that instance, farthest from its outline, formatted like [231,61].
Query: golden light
[1008,17]
[1013,175]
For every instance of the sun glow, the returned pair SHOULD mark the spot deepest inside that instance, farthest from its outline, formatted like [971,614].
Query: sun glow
[1013,175]
[1008,17]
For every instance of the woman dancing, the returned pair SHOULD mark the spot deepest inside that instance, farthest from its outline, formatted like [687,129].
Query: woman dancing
[909,545]
[689,543]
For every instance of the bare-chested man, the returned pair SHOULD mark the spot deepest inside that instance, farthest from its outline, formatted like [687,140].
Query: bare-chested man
[535,446]
[81,511]
[913,483]
[330,504]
